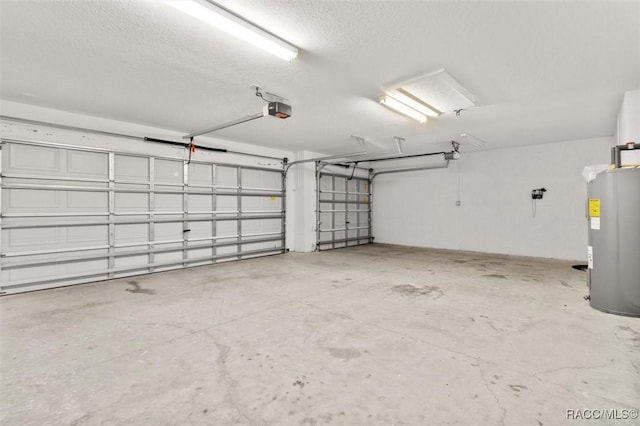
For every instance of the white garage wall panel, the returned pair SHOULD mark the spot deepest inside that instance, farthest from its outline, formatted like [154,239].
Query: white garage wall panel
[76,214]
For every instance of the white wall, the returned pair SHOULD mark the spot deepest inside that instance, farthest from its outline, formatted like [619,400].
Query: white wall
[418,208]
[302,187]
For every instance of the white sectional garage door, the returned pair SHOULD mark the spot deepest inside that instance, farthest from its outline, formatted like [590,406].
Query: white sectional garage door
[72,215]
[343,211]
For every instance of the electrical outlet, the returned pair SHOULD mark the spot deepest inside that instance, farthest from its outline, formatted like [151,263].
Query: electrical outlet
[458,203]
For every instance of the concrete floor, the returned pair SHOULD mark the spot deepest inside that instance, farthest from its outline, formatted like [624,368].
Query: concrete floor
[374,334]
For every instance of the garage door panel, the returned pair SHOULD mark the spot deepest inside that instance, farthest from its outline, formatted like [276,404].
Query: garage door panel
[200,203]
[260,179]
[324,206]
[54,201]
[30,200]
[272,203]
[168,231]
[226,176]
[261,226]
[168,171]
[261,246]
[227,250]
[271,225]
[343,211]
[168,203]
[252,227]
[168,247]
[339,235]
[200,253]
[131,168]
[131,188]
[169,257]
[92,214]
[131,233]
[250,203]
[253,204]
[340,221]
[200,174]
[252,178]
[140,261]
[271,180]
[34,273]
[131,202]
[363,217]
[200,230]
[34,160]
[326,237]
[50,238]
[86,201]
[87,236]
[227,228]
[24,239]
[87,266]
[326,220]
[87,164]
[326,183]
[226,203]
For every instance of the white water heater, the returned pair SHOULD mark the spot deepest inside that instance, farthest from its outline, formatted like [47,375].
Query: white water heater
[614,241]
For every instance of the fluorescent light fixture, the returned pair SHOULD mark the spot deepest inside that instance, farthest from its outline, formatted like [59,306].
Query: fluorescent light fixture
[398,106]
[470,139]
[414,102]
[232,24]
[438,91]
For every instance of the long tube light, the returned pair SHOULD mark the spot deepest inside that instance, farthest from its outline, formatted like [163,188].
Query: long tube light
[415,103]
[398,106]
[238,27]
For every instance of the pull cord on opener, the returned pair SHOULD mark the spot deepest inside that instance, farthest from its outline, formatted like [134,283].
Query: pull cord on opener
[192,149]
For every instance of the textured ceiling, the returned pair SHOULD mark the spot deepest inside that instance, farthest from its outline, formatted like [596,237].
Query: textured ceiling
[543,71]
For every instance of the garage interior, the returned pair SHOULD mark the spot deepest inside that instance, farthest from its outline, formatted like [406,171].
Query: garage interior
[403,213]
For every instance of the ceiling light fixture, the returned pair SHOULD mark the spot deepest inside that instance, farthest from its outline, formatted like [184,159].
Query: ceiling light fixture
[236,26]
[470,139]
[398,106]
[414,102]
[439,92]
